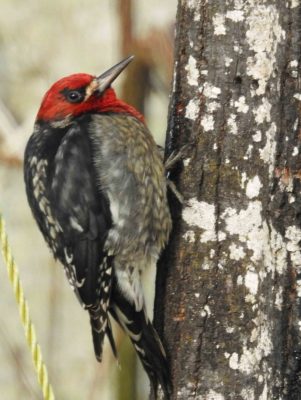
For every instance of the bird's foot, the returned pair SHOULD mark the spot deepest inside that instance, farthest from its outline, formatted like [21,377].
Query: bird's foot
[175,191]
[178,155]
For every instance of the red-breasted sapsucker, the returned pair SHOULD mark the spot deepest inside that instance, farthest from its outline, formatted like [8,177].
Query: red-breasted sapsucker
[96,185]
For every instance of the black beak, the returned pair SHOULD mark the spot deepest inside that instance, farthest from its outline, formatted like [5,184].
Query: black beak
[104,80]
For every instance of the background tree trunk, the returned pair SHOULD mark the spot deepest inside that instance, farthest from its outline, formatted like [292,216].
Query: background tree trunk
[229,283]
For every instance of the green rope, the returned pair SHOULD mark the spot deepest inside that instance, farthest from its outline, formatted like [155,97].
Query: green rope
[30,333]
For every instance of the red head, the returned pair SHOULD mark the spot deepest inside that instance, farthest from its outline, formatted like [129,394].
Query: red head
[82,93]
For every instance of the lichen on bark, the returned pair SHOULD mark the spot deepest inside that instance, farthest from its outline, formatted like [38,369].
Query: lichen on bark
[228,285]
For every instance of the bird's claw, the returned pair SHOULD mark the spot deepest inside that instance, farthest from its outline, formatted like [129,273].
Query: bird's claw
[178,155]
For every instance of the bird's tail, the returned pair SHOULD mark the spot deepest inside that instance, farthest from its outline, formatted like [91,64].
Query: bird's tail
[145,340]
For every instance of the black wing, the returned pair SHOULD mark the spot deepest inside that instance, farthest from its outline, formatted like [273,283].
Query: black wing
[81,210]
[83,214]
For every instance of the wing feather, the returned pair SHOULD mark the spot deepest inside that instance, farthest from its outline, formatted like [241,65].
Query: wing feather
[83,212]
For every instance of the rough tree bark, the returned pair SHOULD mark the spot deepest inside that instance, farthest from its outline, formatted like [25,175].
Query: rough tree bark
[229,283]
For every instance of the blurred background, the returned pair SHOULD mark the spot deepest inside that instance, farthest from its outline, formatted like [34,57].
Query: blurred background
[40,42]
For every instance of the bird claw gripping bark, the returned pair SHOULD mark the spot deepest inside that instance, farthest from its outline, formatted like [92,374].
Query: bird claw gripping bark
[178,155]
[175,191]
[97,188]
[171,162]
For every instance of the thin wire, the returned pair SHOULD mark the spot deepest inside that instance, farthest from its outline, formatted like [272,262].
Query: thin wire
[30,333]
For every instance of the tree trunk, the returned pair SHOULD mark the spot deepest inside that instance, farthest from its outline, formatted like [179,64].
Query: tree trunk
[229,283]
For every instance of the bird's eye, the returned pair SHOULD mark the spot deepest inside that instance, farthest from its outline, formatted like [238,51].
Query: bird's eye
[74,96]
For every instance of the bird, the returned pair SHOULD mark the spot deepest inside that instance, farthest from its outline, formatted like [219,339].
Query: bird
[96,186]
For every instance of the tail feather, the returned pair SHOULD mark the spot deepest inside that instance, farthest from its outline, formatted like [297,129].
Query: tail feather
[152,355]
[146,342]
[111,339]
